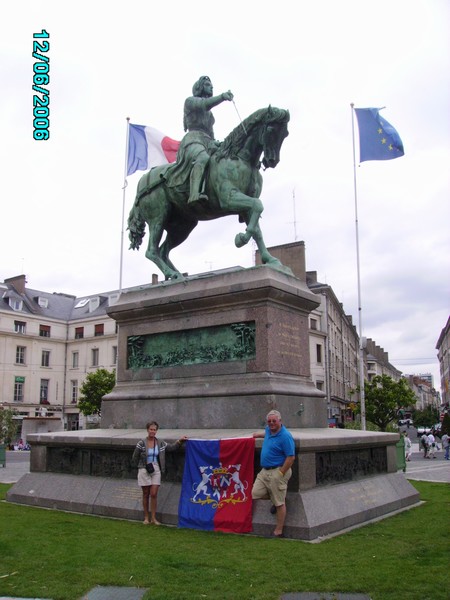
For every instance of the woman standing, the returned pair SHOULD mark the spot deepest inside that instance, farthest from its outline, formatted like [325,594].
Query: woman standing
[149,456]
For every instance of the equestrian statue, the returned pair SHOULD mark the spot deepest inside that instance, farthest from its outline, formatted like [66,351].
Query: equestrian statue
[209,179]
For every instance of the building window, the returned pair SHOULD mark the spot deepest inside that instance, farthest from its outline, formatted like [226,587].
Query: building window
[19,383]
[43,396]
[94,355]
[99,329]
[114,355]
[43,302]
[75,360]
[74,391]
[94,303]
[45,359]
[20,326]
[313,324]
[20,355]
[15,304]
[319,353]
[44,330]
[79,333]
[319,385]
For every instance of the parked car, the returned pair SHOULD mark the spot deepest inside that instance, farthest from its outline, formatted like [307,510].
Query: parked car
[408,422]
[423,429]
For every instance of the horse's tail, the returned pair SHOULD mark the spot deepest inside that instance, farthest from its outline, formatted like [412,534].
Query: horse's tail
[136,227]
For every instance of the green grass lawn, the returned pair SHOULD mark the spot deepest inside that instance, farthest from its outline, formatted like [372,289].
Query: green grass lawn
[62,556]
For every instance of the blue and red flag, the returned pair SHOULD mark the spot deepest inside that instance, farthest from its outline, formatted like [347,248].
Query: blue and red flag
[216,494]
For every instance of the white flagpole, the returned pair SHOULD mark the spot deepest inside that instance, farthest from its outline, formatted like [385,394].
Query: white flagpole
[361,348]
[125,183]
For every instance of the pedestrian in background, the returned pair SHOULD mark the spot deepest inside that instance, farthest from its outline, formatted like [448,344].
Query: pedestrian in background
[424,445]
[408,447]
[446,445]
[431,445]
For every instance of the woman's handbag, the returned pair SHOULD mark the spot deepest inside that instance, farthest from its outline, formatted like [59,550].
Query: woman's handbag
[149,466]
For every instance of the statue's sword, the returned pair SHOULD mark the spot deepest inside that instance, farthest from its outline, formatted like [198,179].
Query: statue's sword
[243,126]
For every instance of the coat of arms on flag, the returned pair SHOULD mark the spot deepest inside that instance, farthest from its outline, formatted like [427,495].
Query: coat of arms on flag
[217,482]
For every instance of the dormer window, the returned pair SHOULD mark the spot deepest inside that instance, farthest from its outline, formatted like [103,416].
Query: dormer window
[113,298]
[94,303]
[82,303]
[15,304]
[43,302]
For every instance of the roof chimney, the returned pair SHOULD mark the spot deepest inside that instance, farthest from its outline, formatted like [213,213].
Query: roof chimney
[18,282]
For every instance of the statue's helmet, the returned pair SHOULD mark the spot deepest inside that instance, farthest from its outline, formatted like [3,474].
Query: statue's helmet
[197,88]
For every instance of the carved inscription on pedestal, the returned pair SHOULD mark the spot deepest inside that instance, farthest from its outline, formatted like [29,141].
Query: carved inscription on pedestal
[90,461]
[289,343]
[104,462]
[127,493]
[348,465]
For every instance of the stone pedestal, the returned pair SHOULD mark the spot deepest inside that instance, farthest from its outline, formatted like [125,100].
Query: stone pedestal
[215,351]
[340,478]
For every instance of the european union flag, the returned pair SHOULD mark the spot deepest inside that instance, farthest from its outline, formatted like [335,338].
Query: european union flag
[378,140]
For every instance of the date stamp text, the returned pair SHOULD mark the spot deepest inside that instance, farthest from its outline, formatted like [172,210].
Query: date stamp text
[41,80]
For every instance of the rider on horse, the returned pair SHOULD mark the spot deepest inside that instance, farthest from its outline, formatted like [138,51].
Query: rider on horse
[198,144]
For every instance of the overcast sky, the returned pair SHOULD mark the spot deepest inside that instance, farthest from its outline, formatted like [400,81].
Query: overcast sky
[62,198]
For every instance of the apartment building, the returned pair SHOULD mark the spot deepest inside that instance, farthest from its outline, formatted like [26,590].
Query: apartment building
[48,344]
[443,348]
[376,360]
[334,351]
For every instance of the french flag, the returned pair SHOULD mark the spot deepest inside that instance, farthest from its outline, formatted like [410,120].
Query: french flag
[216,493]
[148,147]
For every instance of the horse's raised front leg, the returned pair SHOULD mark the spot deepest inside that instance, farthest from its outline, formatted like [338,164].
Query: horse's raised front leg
[241,203]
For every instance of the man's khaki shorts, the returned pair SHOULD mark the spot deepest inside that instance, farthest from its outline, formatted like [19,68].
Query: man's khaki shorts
[271,484]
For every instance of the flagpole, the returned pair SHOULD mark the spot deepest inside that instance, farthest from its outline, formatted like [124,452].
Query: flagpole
[361,348]
[125,183]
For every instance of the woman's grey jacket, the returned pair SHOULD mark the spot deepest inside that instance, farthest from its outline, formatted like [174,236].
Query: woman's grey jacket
[140,453]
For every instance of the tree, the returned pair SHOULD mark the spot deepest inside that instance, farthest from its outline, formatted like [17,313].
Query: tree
[384,397]
[8,426]
[446,424]
[426,417]
[94,387]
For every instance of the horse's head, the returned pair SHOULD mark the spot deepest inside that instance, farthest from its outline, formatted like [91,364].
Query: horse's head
[273,134]
[262,132]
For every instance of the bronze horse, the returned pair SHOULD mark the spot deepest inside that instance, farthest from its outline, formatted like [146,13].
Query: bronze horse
[233,186]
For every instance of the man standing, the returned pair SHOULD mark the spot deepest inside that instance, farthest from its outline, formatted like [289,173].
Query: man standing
[431,445]
[277,458]
[424,444]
